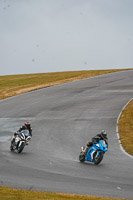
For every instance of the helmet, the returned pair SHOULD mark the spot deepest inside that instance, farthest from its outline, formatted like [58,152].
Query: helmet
[104,133]
[27,124]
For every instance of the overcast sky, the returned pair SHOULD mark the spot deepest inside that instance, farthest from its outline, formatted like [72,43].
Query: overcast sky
[63,35]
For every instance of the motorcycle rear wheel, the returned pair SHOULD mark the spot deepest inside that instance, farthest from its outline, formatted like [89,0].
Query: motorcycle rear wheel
[98,158]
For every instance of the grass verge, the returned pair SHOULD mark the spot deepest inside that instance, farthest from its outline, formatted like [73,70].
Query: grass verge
[125,128]
[14,194]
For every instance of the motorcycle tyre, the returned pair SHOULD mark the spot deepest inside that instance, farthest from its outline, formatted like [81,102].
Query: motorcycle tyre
[81,157]
[20,149]
[99,159]
[11,148]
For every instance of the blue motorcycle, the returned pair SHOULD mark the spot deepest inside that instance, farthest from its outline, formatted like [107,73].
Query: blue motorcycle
[95,153]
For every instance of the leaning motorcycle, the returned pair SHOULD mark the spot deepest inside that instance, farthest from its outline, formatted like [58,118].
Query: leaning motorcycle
[20,141]
[95,153]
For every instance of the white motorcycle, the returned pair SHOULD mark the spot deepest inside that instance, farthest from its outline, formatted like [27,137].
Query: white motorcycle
[20,141]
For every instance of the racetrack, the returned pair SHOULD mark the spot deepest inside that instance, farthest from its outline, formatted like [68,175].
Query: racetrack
[63,118]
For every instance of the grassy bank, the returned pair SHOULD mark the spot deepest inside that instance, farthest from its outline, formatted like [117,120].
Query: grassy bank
[125,128]
[12,85]
[13,194]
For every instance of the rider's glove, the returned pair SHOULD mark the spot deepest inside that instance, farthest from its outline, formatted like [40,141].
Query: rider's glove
[16,133]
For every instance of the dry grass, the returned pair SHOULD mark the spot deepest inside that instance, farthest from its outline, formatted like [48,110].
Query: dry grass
[13,85]
[14,194]
[125,127]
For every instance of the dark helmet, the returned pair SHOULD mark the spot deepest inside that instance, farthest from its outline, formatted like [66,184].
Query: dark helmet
[27,124]
[104,133]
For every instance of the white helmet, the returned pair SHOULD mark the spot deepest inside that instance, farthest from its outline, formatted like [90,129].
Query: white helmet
[104,133]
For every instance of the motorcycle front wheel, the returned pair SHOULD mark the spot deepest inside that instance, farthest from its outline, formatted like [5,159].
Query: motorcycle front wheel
[81,157]
[21,147]
[11,148]
[98,156]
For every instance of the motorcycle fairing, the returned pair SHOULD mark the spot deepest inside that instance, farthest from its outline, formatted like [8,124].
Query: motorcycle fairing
[98,146]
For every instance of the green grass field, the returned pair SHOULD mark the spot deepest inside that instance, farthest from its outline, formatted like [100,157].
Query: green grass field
[16,84]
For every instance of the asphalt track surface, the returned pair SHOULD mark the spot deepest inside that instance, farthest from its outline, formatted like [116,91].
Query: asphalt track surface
[63,118]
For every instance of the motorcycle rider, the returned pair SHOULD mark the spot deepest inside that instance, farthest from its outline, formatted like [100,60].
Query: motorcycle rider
[26,127]
[101,136]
